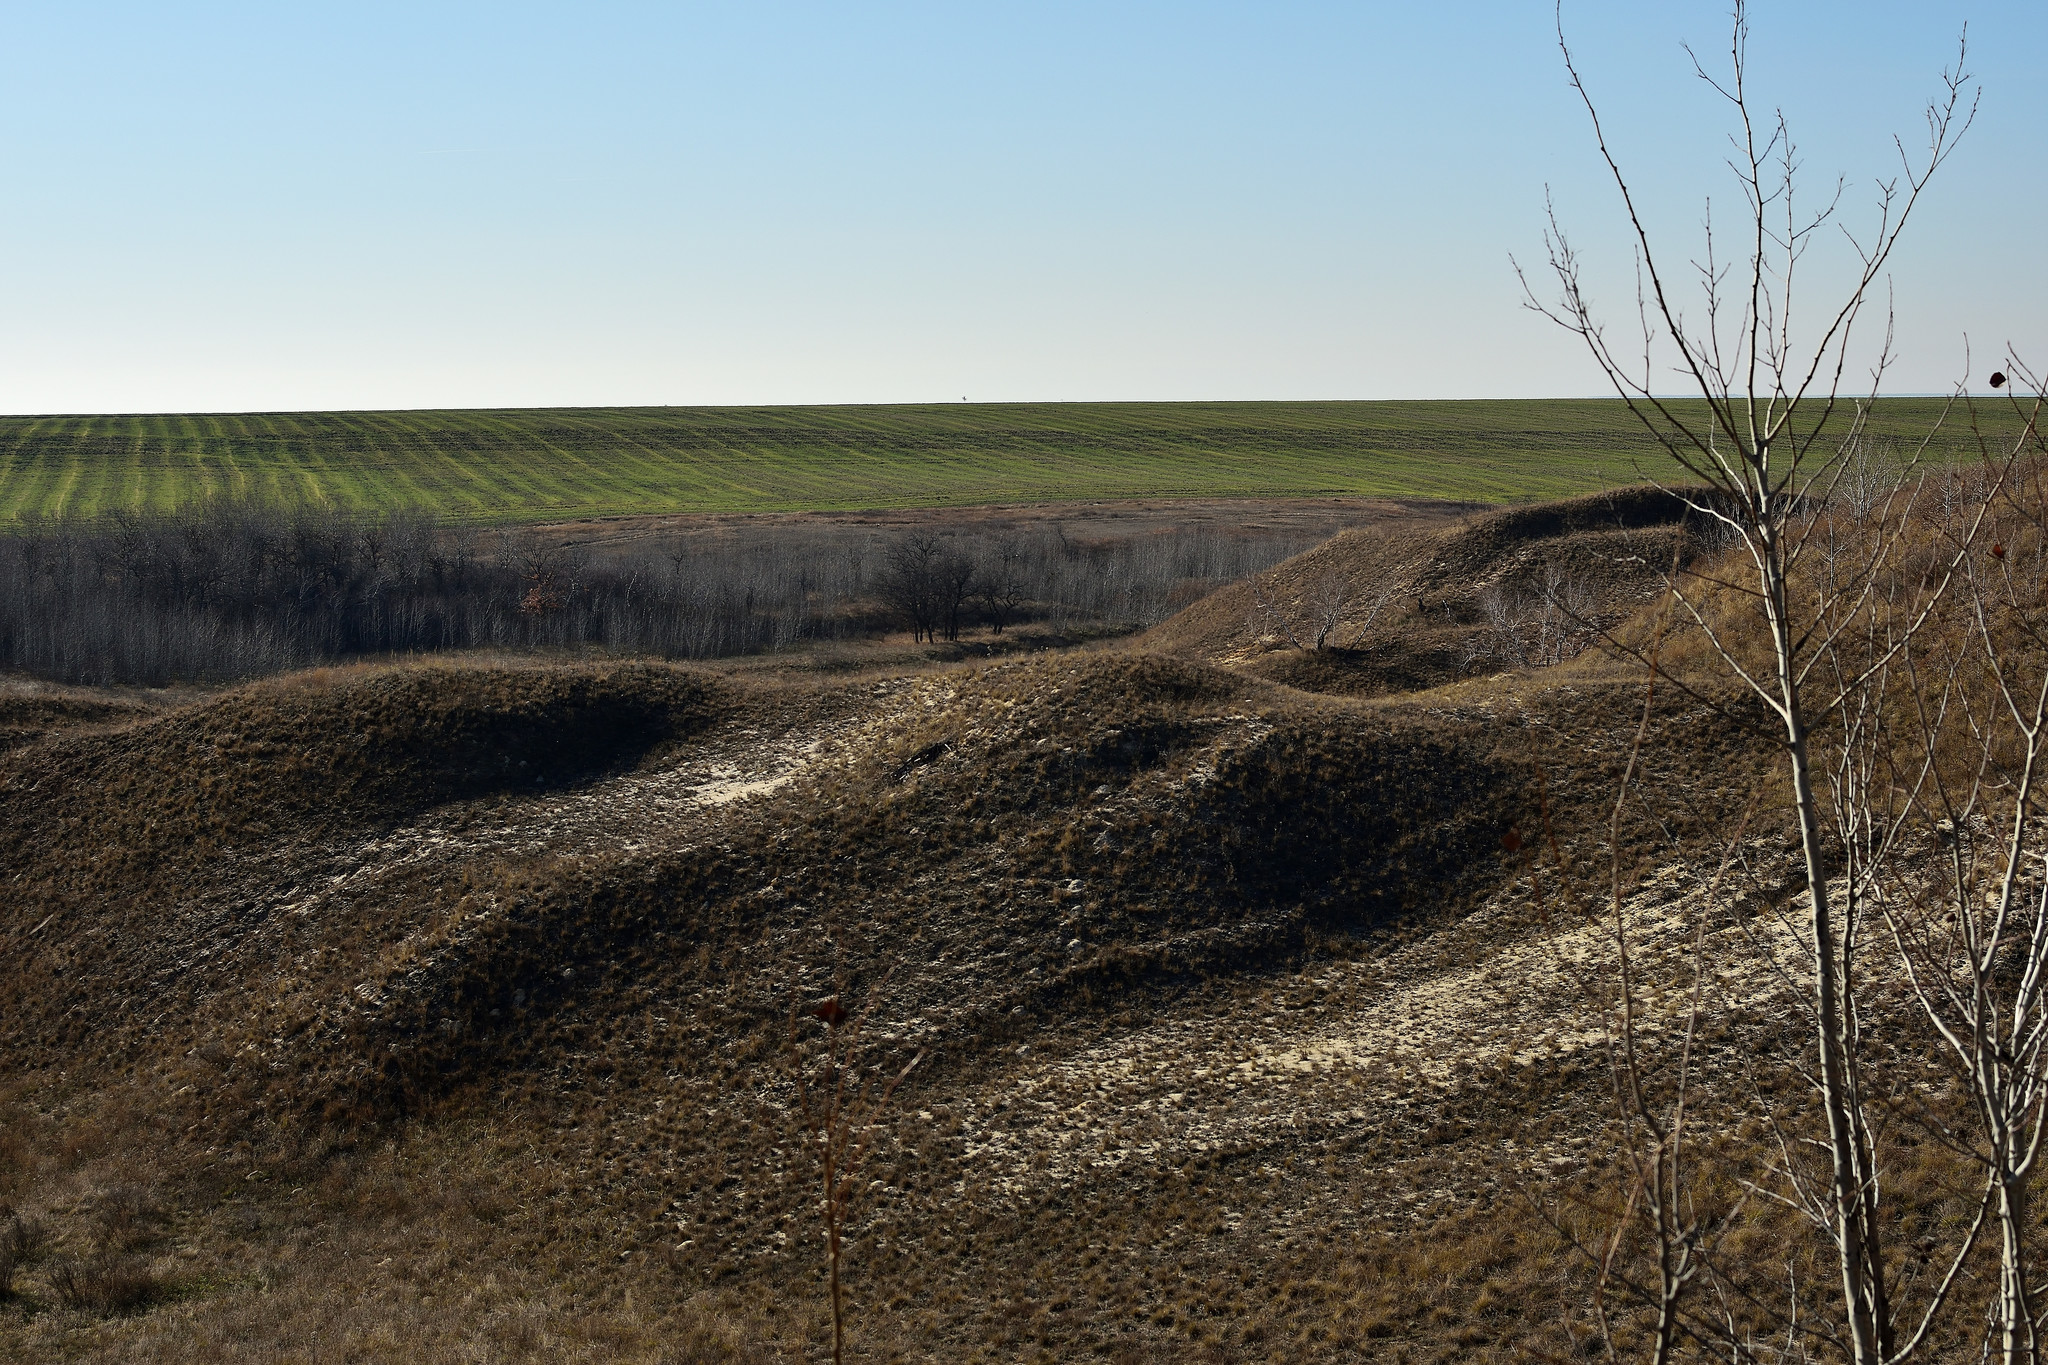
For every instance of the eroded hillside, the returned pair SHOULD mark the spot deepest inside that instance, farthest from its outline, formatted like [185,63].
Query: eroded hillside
[1372,612]
[443,1012]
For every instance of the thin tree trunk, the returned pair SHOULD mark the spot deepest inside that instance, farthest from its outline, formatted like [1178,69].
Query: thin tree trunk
[1850,1172]
[1854,1235]
[2016,1310]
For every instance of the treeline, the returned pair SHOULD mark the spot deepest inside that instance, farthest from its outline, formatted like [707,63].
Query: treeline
[234,591]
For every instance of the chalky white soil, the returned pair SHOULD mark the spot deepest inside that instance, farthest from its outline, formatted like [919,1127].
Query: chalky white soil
[1355,1049]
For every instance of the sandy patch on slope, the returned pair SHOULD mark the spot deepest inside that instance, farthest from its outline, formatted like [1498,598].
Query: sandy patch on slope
[1385,1040]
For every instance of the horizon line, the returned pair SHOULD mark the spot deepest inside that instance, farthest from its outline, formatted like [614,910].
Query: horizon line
[919,403]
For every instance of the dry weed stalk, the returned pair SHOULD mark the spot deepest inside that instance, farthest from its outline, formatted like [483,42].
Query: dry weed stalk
[841,1099]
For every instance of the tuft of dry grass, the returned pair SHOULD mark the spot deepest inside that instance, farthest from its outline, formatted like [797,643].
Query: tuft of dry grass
[105,1284]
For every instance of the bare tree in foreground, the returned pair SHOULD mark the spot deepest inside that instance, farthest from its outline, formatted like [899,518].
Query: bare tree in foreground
[1969,918]
[1928,777]
[1806,622]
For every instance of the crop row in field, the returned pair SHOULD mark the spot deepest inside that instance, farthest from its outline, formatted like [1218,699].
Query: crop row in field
[544,464]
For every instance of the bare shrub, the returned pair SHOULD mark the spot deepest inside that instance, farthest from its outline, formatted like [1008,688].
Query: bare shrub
[10,1255]
[1329,601]
[1535,625]
[126,1217]
[105,1284]
[23,1241]
[1939,775]
[1864,477]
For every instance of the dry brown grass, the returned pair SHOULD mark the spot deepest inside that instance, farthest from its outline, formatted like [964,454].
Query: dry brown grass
[426,1069]
[1433,627]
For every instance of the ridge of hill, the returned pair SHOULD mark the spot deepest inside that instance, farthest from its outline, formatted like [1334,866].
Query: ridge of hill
[1410,609]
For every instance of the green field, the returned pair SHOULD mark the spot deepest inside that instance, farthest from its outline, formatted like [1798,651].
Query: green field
[532,464]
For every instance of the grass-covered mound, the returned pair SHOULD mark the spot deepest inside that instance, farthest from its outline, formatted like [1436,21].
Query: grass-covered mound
[27,718]
[145,859]
[1523,587]
[1031,838]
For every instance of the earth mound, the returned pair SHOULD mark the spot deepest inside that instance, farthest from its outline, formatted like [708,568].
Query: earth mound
[45,713]
[1374,612]
[1051,831]
[148,858]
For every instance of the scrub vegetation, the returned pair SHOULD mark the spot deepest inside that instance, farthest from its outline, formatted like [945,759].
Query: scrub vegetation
[235,591]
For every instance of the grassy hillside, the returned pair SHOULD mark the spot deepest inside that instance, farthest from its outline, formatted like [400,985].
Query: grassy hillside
[399,1013]
[439,1013]
[1416,607]
[558,1011]
[536,464]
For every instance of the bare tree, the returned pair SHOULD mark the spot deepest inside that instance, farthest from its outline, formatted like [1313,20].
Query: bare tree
[1000,589]
[954,577]
[908,582]
[1765,437]
[1970,918]
[1311,622]
[929,583]
[1867,477]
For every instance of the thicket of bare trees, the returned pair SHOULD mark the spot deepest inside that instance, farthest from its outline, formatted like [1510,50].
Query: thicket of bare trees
[1329,601]
[1879,623]
[233,591]
[1536,624]
[929,582]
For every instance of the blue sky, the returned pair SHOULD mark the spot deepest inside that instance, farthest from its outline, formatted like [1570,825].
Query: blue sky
[263,206]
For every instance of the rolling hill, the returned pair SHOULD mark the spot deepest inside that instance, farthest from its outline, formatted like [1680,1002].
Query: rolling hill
[449,1010]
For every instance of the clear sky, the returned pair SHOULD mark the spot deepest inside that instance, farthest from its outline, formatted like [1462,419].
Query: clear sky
[270,206]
